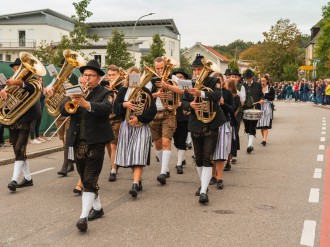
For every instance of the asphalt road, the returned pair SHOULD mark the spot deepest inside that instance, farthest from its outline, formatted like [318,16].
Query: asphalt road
[265,201]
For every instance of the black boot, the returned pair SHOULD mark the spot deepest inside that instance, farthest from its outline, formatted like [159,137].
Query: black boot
[64,170]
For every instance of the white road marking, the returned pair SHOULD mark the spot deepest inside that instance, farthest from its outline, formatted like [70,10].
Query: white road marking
[314,195]
[319,157]
[323,133]
[323,120]
[318,173]
[322,139]
[41,171]
[308,233]
[321,147]
[324,124]
[324,128]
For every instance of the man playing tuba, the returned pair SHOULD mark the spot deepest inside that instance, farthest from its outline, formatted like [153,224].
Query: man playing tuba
[19,131]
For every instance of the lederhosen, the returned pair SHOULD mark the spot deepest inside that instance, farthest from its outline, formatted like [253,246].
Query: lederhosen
[181,131]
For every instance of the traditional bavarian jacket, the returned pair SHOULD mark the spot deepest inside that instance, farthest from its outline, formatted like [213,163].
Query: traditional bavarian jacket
[253,94]
[196,126]
[146,117]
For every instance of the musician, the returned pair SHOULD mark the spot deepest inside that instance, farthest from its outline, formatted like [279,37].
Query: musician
[265,122]
[204,135]
[236,76]
[133,141]
[164,124]
[67,165]
[254,99]
[112,75]
[227,74]
[181,132]
[19,132]
[88,132]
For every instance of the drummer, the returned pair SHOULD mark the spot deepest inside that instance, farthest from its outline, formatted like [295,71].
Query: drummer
[254,99]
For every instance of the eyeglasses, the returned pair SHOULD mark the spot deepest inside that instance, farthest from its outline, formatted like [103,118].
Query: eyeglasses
[86,75]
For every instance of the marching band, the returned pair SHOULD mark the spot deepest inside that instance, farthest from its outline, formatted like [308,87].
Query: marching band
[125,111]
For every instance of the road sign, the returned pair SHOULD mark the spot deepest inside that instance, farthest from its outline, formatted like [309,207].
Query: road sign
[306,67]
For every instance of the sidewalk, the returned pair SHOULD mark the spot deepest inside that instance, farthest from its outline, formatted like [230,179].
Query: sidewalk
[33,150]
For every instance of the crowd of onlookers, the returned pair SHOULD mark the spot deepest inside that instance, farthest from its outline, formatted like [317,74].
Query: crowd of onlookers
[316,91]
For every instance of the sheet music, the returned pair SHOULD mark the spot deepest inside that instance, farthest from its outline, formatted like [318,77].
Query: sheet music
[134,80]
[52,70]
[74,90]
[3,79]
[185,84]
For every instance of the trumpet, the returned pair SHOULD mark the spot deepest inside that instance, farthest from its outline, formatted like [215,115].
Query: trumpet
[72,107]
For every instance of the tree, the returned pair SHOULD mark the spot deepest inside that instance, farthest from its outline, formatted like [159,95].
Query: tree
[77,39]
[117,51]
[44,52]
[233,64]
[233,49]
[279,49]
[322,47]
[156,50]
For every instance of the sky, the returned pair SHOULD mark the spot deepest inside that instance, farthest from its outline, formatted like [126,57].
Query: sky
[212,22]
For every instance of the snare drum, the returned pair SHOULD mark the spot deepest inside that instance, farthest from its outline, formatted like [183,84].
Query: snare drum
[252,114]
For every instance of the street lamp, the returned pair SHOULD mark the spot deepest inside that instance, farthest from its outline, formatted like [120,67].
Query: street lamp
[134,32]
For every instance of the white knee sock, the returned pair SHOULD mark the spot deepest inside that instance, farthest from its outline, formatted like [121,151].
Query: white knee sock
[87,203]
[180,156]
[26,170]
[251,138]
[97,203]
[165,161]
[17,169]
[205,179]
[199,171]
[189,138]
[159,154]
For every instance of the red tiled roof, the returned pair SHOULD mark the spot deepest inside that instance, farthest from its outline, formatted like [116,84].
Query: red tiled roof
[222,57]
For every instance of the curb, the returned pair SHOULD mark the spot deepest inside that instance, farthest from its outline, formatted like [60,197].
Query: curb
[322,106]
[32,155]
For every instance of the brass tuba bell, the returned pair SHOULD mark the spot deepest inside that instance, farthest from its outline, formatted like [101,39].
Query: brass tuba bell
[19,101]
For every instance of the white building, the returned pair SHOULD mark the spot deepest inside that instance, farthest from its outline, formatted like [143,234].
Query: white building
[25,31]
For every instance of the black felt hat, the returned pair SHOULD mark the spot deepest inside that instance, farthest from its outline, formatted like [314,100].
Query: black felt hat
[93,65]
[16,62]
[228,72]
[236,72]
[198,61]
[182,72]
[248,73]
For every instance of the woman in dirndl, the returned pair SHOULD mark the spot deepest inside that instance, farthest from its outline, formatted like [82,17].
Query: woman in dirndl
[134,139]
[265,122]
[223,147]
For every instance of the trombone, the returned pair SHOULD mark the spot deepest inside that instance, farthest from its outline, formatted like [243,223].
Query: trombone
[59,127]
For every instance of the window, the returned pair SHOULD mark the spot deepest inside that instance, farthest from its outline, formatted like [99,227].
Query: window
[1,57]
[21,38]
[98,59]
[8,57]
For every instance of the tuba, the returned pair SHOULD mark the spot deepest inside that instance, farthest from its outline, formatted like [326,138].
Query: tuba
[141,99]
[19,101]
[206,112]
[172,101]
[72,61]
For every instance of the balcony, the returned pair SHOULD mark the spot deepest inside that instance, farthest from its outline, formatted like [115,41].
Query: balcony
[17,44]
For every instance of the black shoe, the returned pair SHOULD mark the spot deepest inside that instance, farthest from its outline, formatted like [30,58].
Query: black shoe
[94,214]
[249,149]
[112,177]
[198,192]
[64,170]
[78,191]
[12,185]
[183,163]
[179,170]
[203,198]
[168,174]
[25,183]
[134,190]
[162,179]
[227,167]
[220,184]
[82,224]
[213,180]
[263,143]
[70,167]
[140,185]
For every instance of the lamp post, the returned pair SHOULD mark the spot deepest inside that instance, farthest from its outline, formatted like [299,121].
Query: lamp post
[134,32]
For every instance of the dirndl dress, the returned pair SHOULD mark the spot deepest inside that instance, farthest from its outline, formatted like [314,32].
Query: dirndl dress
[265,122]
[223,146]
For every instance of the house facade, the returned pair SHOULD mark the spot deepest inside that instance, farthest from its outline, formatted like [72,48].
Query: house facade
[25,31]
[310,48]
